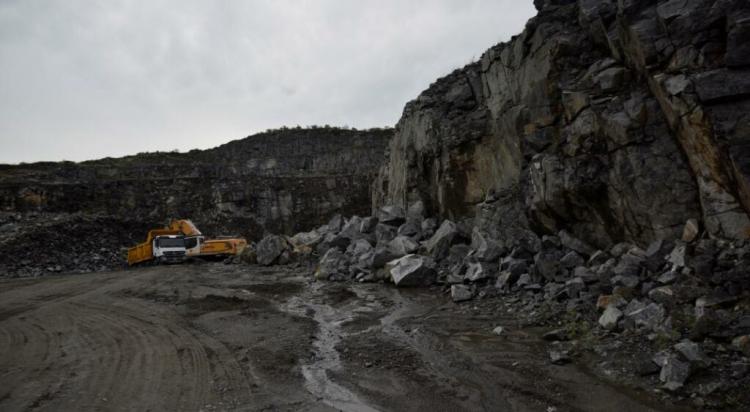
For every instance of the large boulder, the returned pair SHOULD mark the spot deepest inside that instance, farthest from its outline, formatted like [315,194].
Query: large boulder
[349,232]
[505,280]
[573,243]
[692,353]
[411,228]
[334,240]
[610,317]
[380,256]
[334,265]
[428,227]
[358,248]
[674,372]
[416,211]
[384,233]
[391,215]
[310,238]
[485,248]
[649,316]
[270,248]
[413,270]
[249,255]
[547,263]
[334,225]
[402,246]
[476,271]
[439,244]
[461,293]
[368,224]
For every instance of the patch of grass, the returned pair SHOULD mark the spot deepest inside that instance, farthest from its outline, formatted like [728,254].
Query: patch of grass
[683,320]
[578,328]
[666,339]
[731,401]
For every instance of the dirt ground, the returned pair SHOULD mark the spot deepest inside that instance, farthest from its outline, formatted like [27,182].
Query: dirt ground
[226,337]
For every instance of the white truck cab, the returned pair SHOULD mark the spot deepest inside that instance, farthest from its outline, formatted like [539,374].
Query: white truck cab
[169,248]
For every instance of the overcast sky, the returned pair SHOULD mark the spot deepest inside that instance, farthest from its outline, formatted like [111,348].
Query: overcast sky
[89,79]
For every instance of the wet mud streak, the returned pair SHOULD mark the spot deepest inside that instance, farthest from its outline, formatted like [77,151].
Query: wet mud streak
[325,357]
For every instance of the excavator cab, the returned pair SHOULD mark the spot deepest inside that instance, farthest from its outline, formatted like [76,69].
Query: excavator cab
[191,242]
[193,245]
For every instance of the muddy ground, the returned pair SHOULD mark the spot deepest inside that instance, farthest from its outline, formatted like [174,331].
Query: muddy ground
[217,337]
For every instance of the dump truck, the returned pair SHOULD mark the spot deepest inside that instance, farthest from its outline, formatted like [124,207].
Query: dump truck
[198,246]
[161,246]
[164,245]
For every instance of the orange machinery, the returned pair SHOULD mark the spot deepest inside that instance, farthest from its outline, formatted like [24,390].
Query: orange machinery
[195,244]
[160,244]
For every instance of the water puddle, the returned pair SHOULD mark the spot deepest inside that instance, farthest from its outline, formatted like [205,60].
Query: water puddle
[316,373]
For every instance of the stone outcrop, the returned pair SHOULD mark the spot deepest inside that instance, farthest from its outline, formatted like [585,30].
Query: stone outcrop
[612,120]
[282,181]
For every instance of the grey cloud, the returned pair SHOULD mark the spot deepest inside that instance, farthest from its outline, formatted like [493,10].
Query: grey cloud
[86,79]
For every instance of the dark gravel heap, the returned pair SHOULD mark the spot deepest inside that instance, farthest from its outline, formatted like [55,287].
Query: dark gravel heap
[34,244]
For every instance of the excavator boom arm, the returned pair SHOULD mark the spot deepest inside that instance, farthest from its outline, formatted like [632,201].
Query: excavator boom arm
[185,226]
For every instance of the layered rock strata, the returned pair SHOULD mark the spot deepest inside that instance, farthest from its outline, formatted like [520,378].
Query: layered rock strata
[282,181]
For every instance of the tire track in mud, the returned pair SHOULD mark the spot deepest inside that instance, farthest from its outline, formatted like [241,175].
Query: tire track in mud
[137,358]
[92,350]
[453,361]
[218,338]
[30,356]
[458,369]
[507,372]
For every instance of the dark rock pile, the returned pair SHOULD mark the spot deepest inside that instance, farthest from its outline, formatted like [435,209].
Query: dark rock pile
[680,307]
[34,244]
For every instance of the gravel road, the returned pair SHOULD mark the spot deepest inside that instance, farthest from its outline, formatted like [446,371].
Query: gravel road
[216,337]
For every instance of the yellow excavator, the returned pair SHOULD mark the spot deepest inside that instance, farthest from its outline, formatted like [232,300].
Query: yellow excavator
[197,245]
[182,239]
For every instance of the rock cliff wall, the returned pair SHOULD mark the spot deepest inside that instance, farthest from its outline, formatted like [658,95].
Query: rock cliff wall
[282,181]
[614,120]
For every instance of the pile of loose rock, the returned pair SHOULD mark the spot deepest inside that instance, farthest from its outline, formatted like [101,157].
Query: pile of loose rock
[682,307]
[397,245]
[34,244]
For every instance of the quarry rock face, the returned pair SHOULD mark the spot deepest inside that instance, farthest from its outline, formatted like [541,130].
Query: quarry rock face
[614,121]
[283,181]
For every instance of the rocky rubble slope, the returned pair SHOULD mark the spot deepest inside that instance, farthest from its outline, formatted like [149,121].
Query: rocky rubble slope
[613,120]
[34,244]
[672,318]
